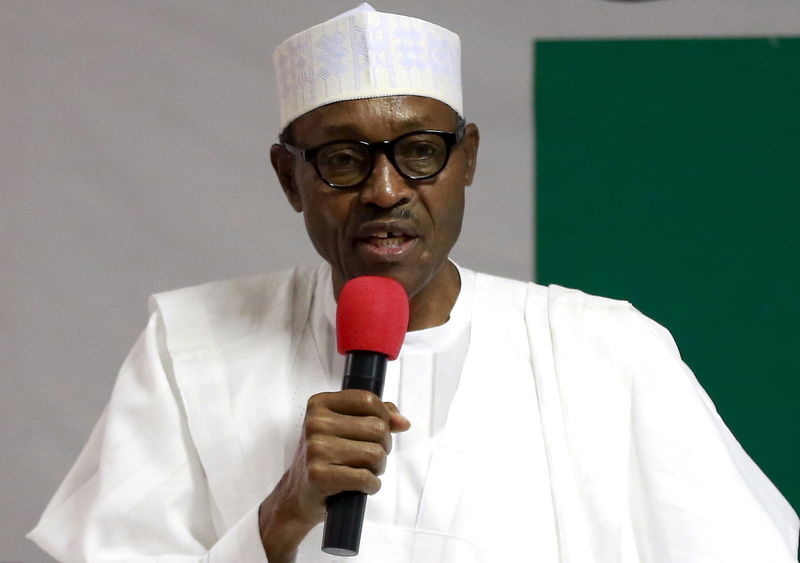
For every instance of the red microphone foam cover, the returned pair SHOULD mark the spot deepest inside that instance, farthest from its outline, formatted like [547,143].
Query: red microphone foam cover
[372,315]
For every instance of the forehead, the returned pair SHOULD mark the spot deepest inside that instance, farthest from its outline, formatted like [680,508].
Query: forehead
[372,119]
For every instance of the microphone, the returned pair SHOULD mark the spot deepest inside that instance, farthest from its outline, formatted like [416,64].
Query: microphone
[371,323]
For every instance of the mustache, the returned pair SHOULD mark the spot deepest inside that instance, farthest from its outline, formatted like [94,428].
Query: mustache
[391,213]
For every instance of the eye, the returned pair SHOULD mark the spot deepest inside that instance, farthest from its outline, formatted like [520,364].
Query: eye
[420,150]
[423,150]
[341,157]
[421,155]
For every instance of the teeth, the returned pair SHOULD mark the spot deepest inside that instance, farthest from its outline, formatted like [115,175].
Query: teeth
[387,235]
[383,239]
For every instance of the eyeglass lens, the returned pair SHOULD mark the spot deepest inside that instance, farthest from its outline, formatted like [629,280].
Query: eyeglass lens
[348,163]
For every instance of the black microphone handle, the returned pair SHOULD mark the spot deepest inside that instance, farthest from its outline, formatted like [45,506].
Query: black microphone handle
[345,514]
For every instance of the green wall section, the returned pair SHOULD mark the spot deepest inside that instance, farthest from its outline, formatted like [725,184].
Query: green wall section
[668,174]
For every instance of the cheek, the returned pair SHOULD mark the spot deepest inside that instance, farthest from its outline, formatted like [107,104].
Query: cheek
[453,219]
[446,208]
[325,214]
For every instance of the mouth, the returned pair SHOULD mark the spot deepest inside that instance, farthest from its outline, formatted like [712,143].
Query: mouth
[387,243]
[386,240]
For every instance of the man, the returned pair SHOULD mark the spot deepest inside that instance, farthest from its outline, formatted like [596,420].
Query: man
[539,424]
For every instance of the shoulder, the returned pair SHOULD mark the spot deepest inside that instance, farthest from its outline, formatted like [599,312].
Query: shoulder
[234,290]
[563,300]
[613,323]
[572,313]
[502,292]
[235,309]
[577,302]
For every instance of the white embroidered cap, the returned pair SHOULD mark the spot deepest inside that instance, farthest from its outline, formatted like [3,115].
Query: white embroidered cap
[364,53]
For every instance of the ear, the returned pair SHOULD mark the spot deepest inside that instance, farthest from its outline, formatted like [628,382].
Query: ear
[470,142]
[283,163]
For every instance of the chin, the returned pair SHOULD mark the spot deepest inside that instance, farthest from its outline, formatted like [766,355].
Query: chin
[410,278]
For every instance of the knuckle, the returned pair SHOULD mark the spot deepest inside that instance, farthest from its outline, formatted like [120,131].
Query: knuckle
[373,484]
[314,425]
[375,453]
[313,401]
[379,427]
[371,400]
[317,401]
[316,448]
[308,429]
[317,473]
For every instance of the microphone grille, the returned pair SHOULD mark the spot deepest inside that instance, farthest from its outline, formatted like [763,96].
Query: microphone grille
[372,315]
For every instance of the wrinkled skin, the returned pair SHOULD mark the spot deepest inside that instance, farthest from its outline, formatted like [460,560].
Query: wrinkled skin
[347,434]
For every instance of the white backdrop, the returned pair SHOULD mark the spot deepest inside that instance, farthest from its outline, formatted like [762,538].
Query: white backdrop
[133,159]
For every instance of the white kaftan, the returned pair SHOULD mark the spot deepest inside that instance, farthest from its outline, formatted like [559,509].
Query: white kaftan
[575,435]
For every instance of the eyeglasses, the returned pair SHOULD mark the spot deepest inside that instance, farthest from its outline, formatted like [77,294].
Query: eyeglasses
[417,156]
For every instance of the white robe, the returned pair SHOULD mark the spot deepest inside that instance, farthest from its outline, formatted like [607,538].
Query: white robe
[630,459]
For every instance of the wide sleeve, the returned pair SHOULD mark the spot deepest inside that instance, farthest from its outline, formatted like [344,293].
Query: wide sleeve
[138,491]
[695,494]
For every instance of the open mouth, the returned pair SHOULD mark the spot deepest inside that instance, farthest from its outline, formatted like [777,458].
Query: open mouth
[387,239]
[391,240]
[387,245]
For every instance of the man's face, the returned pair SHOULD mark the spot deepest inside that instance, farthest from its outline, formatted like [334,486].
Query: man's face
[388,225]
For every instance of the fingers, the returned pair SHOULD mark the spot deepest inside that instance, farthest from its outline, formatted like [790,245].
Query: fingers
[364,429]
[397,422]
[351,453]
[332,479]
[346,438]
[355,402]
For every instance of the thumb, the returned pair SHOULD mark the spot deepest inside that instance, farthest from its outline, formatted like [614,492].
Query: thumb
[397,422]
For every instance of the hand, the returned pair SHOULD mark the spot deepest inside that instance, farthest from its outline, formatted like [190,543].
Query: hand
[343,447]
[346,437]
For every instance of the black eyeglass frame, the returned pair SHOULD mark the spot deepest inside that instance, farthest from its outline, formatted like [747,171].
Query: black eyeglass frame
[450,138]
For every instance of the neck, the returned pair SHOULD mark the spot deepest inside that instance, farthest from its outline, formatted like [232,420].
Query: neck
[432,304]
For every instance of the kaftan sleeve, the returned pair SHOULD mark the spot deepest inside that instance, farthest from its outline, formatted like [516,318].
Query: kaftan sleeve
[696,495]
[138,491]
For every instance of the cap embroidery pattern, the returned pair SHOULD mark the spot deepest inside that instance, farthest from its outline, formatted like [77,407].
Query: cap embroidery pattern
[365,54]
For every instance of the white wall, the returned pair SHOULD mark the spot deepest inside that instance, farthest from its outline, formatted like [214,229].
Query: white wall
[133,159]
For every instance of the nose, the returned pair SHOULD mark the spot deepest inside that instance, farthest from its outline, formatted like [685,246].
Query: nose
[385,187]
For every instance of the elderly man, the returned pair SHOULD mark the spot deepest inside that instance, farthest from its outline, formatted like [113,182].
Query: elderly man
[548,425]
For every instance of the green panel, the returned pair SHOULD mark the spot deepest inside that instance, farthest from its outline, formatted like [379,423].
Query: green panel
[668,175]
